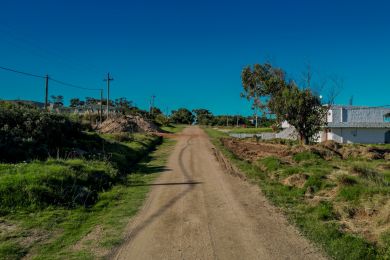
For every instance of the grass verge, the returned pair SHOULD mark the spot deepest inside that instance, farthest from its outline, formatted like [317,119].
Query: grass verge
[58,232]
[320,221]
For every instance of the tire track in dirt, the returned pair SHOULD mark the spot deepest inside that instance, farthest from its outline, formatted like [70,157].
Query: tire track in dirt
[208,214]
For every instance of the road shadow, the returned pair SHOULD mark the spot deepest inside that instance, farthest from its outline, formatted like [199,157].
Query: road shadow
[147,169]
[167,184]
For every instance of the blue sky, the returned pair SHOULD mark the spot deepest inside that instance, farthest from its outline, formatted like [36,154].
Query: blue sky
[190,53]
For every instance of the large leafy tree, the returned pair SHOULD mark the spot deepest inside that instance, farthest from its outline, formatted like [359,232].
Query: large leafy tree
[76,102]
[58,100]
[203,116]
[301,109]
[270,91]
[123,105]
[260,84]
[182,116]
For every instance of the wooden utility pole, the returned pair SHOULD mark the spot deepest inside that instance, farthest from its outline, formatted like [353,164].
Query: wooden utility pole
[108,79]
[101,105]
[46,91]
[152,105]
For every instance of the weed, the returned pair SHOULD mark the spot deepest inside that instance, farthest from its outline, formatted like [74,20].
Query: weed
[305,156]
[347,180]
[271,163]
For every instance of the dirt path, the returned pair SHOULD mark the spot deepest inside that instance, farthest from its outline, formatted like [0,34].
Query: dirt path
[196,211]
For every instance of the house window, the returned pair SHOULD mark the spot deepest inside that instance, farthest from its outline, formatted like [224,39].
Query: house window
[386,118]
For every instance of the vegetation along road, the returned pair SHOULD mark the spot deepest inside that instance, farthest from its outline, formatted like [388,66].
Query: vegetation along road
[197,211]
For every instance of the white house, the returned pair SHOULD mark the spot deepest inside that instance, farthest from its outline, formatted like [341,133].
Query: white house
[356,124]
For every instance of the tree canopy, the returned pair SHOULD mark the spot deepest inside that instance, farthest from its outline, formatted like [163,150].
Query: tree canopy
[182,116]
[267,87]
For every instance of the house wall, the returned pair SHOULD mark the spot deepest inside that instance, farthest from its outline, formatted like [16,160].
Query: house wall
[358,135]
[356,114]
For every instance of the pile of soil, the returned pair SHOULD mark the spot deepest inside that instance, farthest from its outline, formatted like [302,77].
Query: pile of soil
[132,124]
[251,150]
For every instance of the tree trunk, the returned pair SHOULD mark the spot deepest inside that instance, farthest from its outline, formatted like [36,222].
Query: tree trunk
[303,139]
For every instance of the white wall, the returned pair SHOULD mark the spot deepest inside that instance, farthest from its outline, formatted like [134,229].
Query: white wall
[358,135]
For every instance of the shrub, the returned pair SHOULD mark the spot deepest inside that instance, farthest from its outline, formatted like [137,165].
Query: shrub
[27,133]
[66,183]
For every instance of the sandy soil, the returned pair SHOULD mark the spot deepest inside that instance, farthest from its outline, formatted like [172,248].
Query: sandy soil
[197,211]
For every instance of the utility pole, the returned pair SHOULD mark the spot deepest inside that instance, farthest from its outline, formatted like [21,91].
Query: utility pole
[237,121]
[152,105]
[46,91]
[108,79]
[101,105]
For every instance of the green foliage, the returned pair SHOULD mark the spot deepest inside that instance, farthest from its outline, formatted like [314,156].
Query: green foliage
[64,227]
[319,222]
[261,83]
[182,116]
[301,109]
[271,163]
[56,182]
[251,130]
[27,133]
[11,250]
[268,89]
[305,156]
[347,180]
[365,171]
[324,211]
[203,116]
[351,192]
[162,120]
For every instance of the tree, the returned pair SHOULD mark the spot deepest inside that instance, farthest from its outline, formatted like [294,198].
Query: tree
[91,101]
[203,116]
[75,102]
[301,109]
[261,83]
[182,116]
[270,91]
[123,105]
[57,100]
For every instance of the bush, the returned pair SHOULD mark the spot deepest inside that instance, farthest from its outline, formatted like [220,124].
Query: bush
[66,183]
[27,133]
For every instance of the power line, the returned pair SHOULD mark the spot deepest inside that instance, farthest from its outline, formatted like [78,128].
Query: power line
[21,72]
[43,77]
[71,85]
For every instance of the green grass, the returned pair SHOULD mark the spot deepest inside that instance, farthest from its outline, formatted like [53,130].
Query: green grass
[174,128]
[47,230]
[319,222]
[64,227]
[242,130]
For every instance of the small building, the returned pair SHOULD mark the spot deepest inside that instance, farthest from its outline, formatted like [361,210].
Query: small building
[357,124]
[354,124]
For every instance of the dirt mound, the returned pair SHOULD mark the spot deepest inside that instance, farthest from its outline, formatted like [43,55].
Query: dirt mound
[365,152]
[249,150]
[132,124]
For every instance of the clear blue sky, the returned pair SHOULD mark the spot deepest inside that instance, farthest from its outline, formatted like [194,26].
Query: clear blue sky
[191,53]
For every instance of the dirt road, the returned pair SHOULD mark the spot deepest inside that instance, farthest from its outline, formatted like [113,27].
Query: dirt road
[197,211]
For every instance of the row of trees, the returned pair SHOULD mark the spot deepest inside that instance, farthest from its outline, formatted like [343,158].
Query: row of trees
[272,93]
[205,117]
